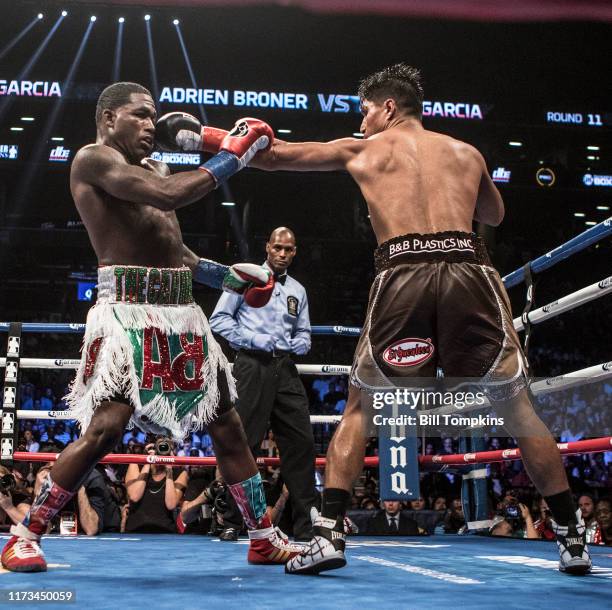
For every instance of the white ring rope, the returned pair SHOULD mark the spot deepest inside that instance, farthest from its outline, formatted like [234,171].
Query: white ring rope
[28,414]
[575,299]
[66,363]
[591,374]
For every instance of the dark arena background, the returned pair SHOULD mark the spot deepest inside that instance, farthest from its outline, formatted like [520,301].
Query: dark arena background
[525,82]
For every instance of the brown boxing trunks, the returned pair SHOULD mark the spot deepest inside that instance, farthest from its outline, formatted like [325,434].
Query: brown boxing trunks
[437,303]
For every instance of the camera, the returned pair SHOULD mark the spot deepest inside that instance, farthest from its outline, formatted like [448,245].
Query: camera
[7,483]
[512,512]
[163,446]
[217,496]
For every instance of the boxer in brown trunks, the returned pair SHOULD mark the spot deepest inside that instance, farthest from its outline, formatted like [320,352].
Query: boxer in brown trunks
[436,301]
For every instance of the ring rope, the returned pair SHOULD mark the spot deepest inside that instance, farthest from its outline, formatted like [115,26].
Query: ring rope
[595,445]
[570,301]
[598,372]
[574,245]
[72,363]
[73,328]
[29,414]
[575,379]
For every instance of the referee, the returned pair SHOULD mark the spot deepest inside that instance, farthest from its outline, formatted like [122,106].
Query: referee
[270,392]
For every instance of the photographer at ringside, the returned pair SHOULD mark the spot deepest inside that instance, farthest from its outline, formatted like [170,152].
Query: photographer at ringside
[153,492]
[204,504]
[514,521]
[14,502]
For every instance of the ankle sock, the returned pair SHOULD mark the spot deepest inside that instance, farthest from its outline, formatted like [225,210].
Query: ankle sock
[335,502]
[562,507]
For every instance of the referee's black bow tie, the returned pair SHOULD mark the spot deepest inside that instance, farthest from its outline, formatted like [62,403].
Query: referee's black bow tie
[280,278]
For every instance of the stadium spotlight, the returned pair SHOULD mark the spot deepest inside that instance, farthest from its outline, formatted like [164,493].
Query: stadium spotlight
[147,17]
[175,21]
[64,13]
[40,15]
[121,19]
[92,18]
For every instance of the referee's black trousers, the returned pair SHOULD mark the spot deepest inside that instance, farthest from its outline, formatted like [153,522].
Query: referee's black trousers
[271,395]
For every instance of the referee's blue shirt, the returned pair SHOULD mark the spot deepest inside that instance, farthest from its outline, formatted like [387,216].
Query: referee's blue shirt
[285,317]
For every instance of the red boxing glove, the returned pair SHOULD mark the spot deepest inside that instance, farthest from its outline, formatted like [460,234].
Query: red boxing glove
[258,296]
[246,139]
[179,131]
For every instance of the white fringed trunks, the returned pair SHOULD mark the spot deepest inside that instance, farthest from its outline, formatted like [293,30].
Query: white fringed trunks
[149,343]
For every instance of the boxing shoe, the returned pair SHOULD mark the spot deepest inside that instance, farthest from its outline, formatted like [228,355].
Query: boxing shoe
[324,552]
[22,552]
[574,555]
[270,546]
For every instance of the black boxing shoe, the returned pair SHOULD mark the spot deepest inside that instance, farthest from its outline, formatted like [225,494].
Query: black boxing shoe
[574,555]
[324,552]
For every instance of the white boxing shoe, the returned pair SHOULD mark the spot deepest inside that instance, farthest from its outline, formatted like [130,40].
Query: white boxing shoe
[324,552]
[574,555]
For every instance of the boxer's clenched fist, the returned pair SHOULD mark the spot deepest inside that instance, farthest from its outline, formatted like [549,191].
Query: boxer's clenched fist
[238,148]
[253,282]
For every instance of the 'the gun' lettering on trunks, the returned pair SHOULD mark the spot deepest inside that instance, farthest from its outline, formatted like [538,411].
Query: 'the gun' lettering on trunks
[144,285]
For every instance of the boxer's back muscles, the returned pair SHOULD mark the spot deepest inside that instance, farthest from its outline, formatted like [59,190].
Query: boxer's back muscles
[417,181]
[413,180]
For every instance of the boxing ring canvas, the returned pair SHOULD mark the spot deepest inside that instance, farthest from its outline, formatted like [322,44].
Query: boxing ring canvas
[172,571]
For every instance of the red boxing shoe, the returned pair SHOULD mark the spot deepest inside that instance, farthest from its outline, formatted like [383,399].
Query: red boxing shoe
[22,552]
[270,546]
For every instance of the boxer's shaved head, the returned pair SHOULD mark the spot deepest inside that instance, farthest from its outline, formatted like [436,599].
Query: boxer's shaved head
[281,232]
[399,82]
[117,94]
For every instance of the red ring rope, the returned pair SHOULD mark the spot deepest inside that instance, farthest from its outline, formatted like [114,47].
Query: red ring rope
[594,445]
